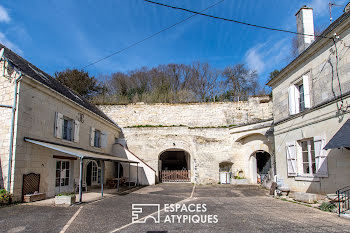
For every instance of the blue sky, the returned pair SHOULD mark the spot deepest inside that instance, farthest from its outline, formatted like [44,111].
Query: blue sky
[55,35]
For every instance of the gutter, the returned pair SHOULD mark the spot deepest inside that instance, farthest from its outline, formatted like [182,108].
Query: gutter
[12,131]
[13,107]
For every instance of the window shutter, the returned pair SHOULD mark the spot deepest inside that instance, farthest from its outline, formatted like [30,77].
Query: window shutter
[58,125]
[320,157]
[104,139]
[92,136]
[293,100]
[76,131]
[306,85]
[291,159]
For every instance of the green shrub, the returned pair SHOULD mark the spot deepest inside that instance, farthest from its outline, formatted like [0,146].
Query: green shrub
[66,194]
[5,197]
[328,207]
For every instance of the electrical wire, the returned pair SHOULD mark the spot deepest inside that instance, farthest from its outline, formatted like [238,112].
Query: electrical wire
[337,72]
[151,36]
[234,21]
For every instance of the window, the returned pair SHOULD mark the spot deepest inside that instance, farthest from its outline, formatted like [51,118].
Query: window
[299,96]
[97,139]
[308,155]
[94,172]
[62,173]
[307,158]
[67,130]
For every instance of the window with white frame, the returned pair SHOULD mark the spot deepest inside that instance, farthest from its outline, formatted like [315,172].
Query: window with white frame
[98,138]
[307,157]
[62,173]
[66,128]
[94,172]
[299,96]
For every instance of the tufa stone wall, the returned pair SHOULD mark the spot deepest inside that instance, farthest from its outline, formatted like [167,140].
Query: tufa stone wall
[191,114]
[200,129]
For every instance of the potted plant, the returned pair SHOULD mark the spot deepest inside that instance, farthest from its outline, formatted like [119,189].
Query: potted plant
[5,197]
[65,199]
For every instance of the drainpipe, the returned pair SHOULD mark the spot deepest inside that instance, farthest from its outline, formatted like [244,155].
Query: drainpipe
[12,132]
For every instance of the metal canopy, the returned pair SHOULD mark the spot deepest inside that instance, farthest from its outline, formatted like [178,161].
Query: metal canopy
[78,152]
[341,139]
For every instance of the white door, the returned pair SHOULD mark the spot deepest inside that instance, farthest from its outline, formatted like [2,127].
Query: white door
[95,173]
[225,178]
[63,182]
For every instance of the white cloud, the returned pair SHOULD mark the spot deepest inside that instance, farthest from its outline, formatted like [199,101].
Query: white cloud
[254,59]
[4,16]
[9,44]
[266,57]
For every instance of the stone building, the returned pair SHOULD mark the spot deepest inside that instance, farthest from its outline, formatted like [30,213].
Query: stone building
[311,98]
[54,133]
[214,142]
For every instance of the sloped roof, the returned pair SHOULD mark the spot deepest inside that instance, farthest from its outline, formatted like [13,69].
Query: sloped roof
[341,138]
[35,73]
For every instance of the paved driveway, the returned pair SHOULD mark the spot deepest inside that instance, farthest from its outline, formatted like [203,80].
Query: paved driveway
[238,209]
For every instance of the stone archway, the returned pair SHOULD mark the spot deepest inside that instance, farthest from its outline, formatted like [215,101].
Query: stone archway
[93,173]
[174,166]
[260,165]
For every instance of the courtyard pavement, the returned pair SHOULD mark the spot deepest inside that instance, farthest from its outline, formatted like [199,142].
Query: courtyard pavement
[237,209]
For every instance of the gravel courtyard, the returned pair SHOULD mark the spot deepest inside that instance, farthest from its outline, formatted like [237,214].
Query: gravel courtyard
[237,209]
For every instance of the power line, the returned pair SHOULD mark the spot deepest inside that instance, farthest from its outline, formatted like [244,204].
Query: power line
[234,21]
[151,36]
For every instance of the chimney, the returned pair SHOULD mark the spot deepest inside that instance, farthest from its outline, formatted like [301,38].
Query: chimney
[305,25]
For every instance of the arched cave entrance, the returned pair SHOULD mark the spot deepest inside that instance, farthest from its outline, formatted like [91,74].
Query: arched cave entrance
[260,166]
[174,166]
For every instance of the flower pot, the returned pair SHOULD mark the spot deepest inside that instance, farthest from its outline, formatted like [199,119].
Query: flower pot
[65,200]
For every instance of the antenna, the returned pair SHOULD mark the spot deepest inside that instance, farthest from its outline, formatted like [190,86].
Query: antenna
[331,4]
[2,53]
[347,8]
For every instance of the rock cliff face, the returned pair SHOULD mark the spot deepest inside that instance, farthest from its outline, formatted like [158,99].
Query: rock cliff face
[209,133]
[192,114]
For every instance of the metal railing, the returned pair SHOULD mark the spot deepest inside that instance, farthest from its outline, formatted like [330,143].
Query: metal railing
[343,199]
[175,175]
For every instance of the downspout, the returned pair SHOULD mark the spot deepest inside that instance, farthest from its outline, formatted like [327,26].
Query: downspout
[12,132]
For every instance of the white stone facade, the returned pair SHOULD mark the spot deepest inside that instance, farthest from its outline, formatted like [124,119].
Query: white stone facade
[322,119]
[35,118]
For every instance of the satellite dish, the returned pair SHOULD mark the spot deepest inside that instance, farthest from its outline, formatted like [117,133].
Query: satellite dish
[2,52]
[347,8]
